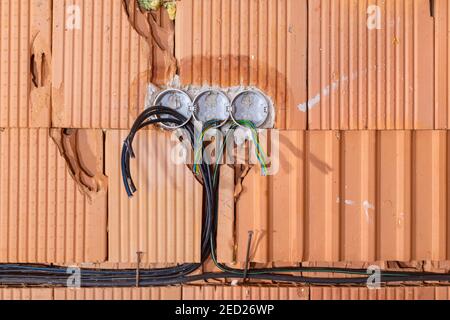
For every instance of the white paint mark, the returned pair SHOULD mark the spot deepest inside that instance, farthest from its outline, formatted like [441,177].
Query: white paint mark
[401,218]
[349,202]
[234,283]
[366,207]
[311,103]
[326,91]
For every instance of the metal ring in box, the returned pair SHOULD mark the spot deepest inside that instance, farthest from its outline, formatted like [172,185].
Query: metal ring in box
[238,105]
[185,108]
[224,106]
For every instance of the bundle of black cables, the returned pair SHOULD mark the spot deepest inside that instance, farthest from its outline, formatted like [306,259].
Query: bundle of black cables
[42,275]
[168,116]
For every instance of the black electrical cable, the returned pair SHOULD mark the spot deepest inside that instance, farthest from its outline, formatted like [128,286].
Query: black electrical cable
[153,116]
[50,279]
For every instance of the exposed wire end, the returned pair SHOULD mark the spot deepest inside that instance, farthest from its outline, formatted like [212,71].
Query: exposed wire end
[260,155]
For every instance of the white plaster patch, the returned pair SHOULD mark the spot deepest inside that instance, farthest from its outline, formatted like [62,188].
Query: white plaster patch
[367,206]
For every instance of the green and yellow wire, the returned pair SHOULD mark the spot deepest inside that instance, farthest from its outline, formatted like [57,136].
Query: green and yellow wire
[260,155]
[198,146]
